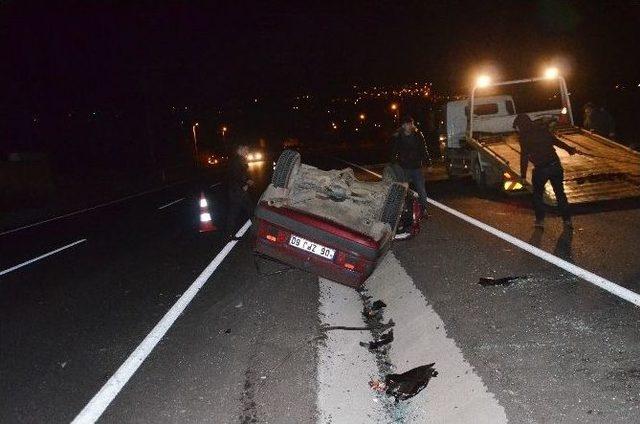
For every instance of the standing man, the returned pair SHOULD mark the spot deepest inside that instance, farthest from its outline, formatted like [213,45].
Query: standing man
[238,183]
[598,120]
[536,145]
[409,150]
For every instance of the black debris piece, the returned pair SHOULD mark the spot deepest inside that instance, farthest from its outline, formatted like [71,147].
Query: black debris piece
[377,305]
[375,309]
[505,281]
[379,327]
[407,385]
[384,339]
[227,331]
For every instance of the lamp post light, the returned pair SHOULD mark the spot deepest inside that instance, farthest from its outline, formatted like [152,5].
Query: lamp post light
[224,130]
[195,139]
[395,108]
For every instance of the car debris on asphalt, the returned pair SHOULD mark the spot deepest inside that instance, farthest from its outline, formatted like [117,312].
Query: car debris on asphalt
[379,327]
[406,385]
[505,281]
[383,340]
[374,309]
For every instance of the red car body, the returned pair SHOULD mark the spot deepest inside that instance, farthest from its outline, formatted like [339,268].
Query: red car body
[356,254]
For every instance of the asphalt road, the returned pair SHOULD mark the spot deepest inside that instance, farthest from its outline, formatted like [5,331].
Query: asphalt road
[250,347]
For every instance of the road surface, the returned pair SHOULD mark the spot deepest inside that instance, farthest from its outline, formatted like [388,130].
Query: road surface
[126,313]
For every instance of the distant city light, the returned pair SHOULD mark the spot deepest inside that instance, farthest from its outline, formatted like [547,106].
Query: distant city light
[362,116]
[394,106]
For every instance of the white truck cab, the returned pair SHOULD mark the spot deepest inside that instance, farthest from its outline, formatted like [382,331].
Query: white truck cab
[492,114]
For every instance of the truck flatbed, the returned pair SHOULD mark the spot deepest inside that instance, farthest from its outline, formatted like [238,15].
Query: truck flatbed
[605,171]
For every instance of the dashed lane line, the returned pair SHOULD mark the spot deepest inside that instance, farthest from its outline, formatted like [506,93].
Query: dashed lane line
[603,283]
[101,205]
[53,252]
[99,403]
[171,203]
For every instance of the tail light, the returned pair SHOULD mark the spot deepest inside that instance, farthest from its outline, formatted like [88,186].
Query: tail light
[416,209]
[272,233]
[350,262]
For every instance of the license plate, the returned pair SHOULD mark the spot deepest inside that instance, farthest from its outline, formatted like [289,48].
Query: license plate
[309,246]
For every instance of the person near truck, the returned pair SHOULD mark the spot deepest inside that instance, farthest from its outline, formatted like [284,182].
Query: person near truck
[238,183]
[410,151]
[536,146]
[598,120]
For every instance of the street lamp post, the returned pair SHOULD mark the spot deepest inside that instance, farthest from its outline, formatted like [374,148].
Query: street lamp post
[394,108]
[195,140]
[224,132]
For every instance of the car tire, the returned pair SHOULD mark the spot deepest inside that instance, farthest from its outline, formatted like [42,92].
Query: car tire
[393,173]
[287,165]
[393,205]
[479,176]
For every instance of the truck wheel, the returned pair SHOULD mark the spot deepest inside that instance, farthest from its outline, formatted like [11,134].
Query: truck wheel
[287,165]
[393,205]
[479,176]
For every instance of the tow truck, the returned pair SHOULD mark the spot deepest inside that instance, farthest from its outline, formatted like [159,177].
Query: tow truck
[483,144]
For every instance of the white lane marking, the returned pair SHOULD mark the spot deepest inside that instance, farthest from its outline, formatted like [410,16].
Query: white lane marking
[588,276]
[360,167]
[344,367]
[457,394]
[53,252]
[244,228]
[102,205]
[99,403]
[592,278]
[214,185]
[172,203]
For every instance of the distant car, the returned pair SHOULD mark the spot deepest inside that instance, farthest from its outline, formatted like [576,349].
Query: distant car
[328,222]
[216,159]
[291,143]
[256,155]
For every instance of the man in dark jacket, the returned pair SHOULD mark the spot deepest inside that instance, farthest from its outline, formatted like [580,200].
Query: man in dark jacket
[598,120]
[238,183]
[409,150]
[536,146]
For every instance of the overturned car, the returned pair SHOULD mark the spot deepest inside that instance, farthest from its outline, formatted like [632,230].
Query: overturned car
[328,222]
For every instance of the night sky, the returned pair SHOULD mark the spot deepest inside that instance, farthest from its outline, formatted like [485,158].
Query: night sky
[81,54]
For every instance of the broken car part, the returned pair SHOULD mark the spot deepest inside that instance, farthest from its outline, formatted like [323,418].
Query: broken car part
[407,385]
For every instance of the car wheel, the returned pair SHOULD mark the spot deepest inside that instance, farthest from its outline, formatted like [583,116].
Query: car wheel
[287,165]
[393,205]
[393,173]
